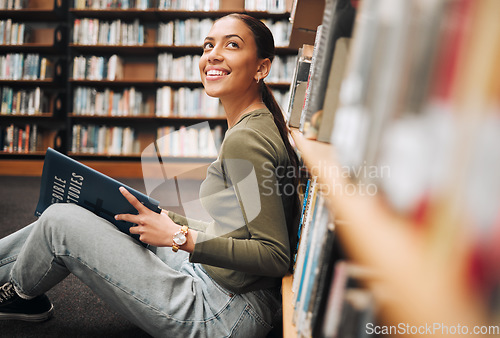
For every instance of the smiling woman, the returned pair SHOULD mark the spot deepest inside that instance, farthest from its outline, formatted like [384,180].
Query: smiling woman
[222,277]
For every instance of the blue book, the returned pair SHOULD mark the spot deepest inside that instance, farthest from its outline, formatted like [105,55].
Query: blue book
[65,180]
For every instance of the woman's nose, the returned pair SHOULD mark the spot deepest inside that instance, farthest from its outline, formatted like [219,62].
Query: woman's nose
[215,54]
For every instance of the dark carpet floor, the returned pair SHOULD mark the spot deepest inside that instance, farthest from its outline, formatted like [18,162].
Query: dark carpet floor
[78,312]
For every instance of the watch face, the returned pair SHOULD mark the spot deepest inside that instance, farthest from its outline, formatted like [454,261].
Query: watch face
[179,238]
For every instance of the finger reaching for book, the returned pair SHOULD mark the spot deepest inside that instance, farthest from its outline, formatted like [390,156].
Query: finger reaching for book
[153,228]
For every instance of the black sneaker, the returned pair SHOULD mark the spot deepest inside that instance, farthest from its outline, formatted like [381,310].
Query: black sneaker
[13,307]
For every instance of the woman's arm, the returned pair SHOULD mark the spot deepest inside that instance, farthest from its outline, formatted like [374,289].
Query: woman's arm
[153,228]
[254,237]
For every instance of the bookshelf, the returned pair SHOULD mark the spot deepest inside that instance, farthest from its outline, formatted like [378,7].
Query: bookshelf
[32,81]
[428,258]
[137,71]
[160,67]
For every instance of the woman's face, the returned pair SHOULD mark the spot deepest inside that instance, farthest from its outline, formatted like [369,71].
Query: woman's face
[229,63]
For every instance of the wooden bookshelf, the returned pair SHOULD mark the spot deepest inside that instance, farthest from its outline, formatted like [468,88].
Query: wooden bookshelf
[140,66]
[407,278]
[33,97]
[428,257]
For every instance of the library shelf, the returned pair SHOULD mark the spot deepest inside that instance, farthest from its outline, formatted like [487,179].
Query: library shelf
[28,116]
[406,277]
[136,49]
[148,118]
[38,85]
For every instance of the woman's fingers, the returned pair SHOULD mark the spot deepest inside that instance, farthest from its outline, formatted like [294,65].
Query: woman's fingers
[128,218]
[132,200]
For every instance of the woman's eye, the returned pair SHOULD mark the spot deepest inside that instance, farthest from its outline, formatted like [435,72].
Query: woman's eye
[207,45]
[232,44]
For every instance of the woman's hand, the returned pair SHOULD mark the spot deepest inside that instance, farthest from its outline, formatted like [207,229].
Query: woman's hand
[154,229]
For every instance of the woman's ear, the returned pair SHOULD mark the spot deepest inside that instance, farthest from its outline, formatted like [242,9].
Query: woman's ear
[263,69]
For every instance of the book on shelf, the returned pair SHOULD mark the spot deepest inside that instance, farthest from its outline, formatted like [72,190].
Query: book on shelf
[322,121]
[204,5]
[20,66]
[98,68]
[350,307]
[304,228]
[312,264]
[87,31]
[13,33]
[298,85]
[112,4]
[304,260]
[338,19]
[19,139]
[193,141]
[278,6]
[104,140]
[46,69]
[13,4]
[282,69]
[182,68]
[92,101]
[65,180]
[352,118]
[22,102]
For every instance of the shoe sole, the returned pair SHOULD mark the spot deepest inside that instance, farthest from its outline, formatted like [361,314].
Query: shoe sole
[37,317]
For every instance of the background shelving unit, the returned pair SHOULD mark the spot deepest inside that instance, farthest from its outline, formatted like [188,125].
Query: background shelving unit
[139,70]
[33,103]
[431,260]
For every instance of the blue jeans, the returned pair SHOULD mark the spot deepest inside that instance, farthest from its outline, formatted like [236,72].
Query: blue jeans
[158,290]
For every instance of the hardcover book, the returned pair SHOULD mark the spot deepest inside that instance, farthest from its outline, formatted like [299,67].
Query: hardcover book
[65,180]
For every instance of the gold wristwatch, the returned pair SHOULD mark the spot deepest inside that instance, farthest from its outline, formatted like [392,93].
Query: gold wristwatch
[180,238]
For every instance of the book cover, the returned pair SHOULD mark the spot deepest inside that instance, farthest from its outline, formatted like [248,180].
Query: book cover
[65,180]
[298,86]
[338,20]
[305,233]
[327,114]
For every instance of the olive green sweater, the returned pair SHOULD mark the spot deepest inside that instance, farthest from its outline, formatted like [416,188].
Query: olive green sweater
[248,194]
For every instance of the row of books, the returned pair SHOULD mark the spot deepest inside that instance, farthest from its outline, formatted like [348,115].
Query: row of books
[97,68]
[90,101]
[182,102]
[19,139]
[324,285]
[186,102]
[112,4]
[188,32]
[282,69]
[97,32]
[189,141]
[20,66]
[13,4]
[320,72]
[272,6]
[23,101]
[189,5]
[430,106]
[281,97]
[183,68]
[411,90]
[281,30]
[12,33]
[104,140]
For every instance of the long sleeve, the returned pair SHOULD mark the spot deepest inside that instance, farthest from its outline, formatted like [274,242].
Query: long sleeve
[248,239]
[191,223]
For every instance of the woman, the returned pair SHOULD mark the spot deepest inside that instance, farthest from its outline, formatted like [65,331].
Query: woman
[218,279]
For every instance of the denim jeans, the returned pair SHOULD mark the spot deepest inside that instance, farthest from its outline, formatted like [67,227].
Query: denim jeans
[158,290]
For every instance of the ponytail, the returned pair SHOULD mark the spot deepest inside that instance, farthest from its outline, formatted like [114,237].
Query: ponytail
[265,49]
[279,120]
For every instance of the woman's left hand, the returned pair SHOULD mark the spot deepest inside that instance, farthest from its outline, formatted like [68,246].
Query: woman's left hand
[154,229]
